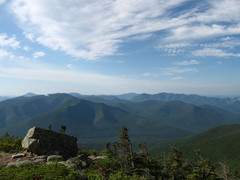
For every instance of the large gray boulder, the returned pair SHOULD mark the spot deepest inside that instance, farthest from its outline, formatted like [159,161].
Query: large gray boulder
[45,142]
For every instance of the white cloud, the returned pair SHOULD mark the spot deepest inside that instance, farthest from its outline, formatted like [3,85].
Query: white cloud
[70,66]
[174,49]
[87,81]
[39,54]
[90,29]
[177,70]
[26,48]
[6,41]
[90,83]
[186,63]
[3,53]
[208,23]
[141,37]
[190,32]
[221,10]
[175,45]
[148,74]
[2,1]
[227,42]
[214,52]
[177,78]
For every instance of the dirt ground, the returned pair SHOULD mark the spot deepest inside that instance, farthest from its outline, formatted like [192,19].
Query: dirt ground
[5,158]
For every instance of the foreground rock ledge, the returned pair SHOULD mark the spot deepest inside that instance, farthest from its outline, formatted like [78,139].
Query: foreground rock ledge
[45,142]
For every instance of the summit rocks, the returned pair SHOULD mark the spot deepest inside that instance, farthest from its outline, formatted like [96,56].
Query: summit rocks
[45,142]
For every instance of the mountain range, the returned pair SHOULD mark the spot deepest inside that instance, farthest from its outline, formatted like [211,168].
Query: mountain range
[228,104]
[97,119]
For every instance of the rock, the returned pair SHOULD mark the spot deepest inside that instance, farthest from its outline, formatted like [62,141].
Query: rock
[18,155]
[19,163]
[40,161]
[54,158]
[40,157]
[45,142]
[79,162]
[94,158]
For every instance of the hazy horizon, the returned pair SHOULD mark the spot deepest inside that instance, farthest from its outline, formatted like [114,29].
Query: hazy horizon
[45,94]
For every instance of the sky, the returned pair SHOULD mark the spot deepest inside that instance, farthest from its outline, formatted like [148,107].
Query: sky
[119,46]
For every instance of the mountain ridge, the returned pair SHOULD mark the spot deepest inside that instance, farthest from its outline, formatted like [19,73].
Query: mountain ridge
[220,143]
[149,121]
[228,104]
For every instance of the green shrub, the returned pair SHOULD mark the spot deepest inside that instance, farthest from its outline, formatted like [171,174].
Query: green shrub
[10,143]
[46,172]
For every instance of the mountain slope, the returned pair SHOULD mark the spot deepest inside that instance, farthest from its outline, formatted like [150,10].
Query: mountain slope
[181,115]
[99,98]
[228,104]
[96,122]
[217,144]
[149,121]
[17,109]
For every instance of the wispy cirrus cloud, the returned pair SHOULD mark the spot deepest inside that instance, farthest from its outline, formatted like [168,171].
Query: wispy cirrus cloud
[91,29]
[141,37]
[177,70]
[226,42]
[83,82]
[187,63]
[177,78]
[214,52]
[209,22]
[203,31]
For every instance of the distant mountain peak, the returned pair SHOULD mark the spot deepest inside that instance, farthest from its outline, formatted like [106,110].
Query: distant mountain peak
[29,94]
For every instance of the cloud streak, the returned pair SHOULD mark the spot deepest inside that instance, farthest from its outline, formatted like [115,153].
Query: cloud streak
[69,81]
[214,52]
[187,63]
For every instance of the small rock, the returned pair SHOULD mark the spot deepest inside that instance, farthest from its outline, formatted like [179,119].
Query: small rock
[94,158]
[54,158]
[18,155]
[19,163]
[40,157]
[77,163]
[40,161]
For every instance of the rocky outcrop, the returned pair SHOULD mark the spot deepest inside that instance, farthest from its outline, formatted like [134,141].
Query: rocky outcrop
[79,162]
[45,142]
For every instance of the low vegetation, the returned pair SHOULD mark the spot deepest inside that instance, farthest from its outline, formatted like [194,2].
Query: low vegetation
[10,143]
[123,163]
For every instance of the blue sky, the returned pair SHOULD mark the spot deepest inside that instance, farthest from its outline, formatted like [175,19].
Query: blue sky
[118,46]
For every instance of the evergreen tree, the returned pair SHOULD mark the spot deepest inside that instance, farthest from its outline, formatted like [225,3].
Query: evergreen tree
[50,127]
[63,129]
[125,149]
